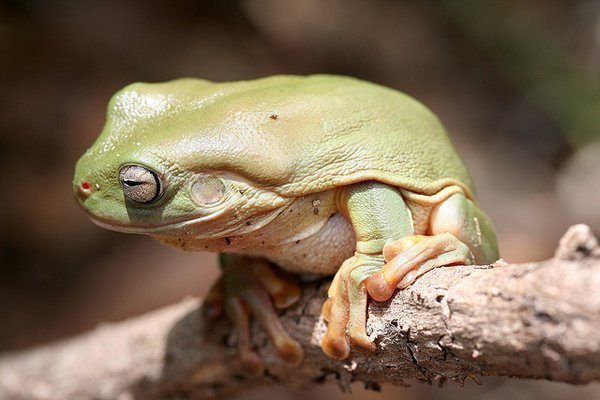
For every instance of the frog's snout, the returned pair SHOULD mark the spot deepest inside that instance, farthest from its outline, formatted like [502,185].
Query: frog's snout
[84,189]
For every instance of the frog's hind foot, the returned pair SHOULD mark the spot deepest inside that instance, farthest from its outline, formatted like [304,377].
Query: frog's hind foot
[412,256]
[251,288]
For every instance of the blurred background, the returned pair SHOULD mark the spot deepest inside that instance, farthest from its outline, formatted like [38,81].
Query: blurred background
[515,82]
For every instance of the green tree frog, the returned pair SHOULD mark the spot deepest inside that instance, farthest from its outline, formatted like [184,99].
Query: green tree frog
[317,175]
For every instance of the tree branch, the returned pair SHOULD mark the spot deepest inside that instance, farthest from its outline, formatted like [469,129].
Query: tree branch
[537,320]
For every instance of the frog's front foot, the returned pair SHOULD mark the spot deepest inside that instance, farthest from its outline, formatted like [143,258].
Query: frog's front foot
[362,276]
[250,287]
[412,256]
[346,306]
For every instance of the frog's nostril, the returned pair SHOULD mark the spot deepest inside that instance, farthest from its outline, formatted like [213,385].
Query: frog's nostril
[84,190]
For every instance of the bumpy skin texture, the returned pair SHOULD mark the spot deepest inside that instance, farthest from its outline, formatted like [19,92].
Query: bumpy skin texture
[319,175]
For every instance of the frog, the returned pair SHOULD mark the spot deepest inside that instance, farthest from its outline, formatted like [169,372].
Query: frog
[288,176]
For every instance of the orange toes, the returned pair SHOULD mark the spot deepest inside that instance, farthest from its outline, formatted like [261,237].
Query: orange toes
[363,341]
[378,288]
[214,304]
[336,347]
[286,297]
[252,363]
[326,309]
[291,352]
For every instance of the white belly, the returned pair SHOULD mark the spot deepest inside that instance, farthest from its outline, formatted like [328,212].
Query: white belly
[322,253]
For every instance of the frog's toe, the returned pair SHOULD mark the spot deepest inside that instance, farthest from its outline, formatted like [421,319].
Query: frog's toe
[238,314]
[413,256]
[290,351]
[282,289]
[326,309]
[332,294]
[258,304]
[357,297]
[346,308]
[287,296]
[336,347]
[382,284]
[336,312]
[252,363]
[261,307]
[251,288]
[378,288]
[358,335]
[214,303]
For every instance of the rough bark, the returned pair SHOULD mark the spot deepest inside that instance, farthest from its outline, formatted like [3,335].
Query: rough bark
[537,320]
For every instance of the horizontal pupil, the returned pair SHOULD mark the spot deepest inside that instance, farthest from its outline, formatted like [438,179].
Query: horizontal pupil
[132,183]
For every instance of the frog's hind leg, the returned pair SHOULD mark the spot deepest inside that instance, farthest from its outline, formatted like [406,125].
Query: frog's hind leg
[460,233]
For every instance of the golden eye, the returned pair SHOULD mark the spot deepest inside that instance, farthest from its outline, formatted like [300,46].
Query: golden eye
[139,184]
[207,190]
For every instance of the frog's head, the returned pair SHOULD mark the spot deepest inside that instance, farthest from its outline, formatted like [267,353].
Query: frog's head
[158,168]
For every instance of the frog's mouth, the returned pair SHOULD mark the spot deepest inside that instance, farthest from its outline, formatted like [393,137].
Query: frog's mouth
[171,227]
[202,226]
[140,229]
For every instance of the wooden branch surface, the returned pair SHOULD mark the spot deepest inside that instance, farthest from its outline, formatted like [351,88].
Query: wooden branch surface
[537,320]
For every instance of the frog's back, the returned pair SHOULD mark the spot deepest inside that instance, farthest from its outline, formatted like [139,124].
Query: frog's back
[300,135]
[342,130]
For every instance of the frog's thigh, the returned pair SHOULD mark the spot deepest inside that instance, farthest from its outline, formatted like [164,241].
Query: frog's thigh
[462,218]
[460,234]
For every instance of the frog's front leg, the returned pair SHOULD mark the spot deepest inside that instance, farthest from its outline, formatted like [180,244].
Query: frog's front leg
[250,287]
[378,215]
[460,234]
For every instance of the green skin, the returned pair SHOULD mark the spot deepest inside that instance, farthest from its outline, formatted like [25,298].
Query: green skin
[319,175]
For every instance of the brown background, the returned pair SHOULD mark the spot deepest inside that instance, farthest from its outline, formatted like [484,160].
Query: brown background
[516,83]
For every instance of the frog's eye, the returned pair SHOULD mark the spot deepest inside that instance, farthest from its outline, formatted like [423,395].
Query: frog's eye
[139,184]
[207,190]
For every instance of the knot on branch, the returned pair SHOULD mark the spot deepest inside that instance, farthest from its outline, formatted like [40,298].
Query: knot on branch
[577,244]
